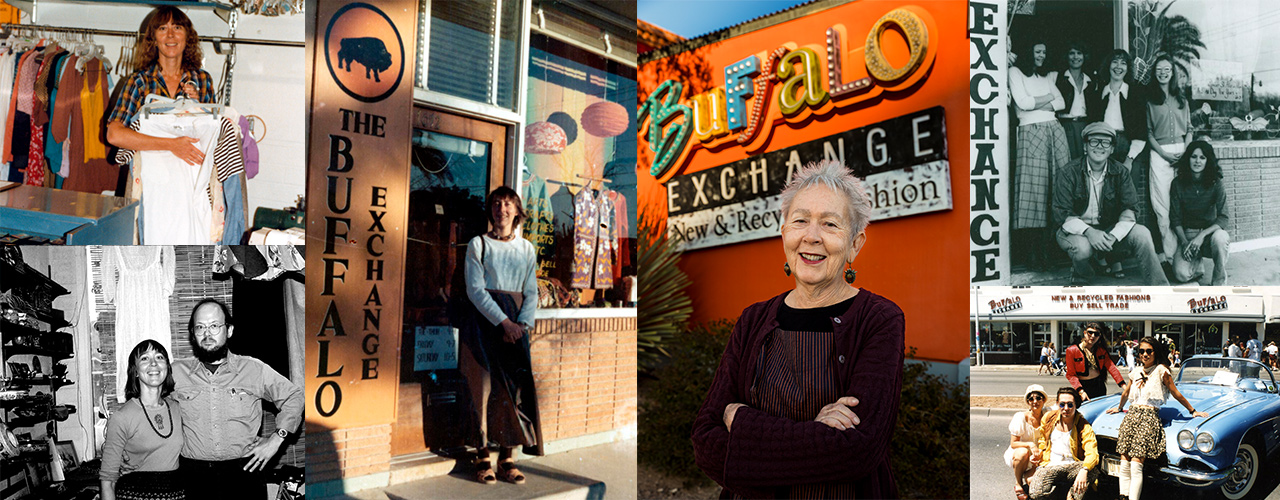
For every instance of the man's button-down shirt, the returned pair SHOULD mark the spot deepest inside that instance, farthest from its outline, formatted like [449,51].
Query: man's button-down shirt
[222,411]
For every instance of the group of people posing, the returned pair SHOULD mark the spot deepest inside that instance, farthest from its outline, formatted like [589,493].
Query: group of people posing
[1051,446]
[1077,138]
[190,427]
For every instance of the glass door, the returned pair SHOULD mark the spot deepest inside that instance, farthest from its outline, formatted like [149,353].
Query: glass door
[456,161]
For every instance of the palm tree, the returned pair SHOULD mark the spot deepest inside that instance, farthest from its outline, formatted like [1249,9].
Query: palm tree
[665,306]
[1153,33]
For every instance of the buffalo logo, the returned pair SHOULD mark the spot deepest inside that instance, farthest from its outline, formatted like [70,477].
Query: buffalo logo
[369,52]
[362,36]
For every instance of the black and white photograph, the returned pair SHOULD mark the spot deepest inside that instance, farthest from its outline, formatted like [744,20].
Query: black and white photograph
[1125,143]
[153,372]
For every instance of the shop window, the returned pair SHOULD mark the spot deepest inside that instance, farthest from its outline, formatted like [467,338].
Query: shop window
[579,180]
[472,49]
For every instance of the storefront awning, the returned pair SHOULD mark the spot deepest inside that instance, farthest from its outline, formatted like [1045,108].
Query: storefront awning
[1113,306]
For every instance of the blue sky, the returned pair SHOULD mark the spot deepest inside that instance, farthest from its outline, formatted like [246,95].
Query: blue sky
[691,18]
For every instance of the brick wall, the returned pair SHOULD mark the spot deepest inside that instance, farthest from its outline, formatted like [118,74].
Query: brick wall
[347,453]
[585,371]
[1251,175]
[193,276]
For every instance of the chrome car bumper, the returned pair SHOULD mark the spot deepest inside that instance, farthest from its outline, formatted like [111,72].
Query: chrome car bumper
[1198,479]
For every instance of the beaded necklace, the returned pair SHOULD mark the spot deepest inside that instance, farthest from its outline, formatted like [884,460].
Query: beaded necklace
[158,421]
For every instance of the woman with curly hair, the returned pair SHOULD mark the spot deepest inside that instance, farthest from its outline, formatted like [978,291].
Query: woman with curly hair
[1042,149]
[168,64]
[1198,214]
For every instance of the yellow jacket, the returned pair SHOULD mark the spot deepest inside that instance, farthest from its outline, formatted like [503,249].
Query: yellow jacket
[1081,434]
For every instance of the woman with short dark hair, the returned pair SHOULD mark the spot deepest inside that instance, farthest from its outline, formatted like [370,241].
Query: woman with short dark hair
[502,284]
[144,437]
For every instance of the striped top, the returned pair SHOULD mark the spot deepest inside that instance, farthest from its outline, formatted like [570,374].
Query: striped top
[795,381]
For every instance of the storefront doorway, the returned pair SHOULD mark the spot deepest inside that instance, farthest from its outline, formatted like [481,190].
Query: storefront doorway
[455,162]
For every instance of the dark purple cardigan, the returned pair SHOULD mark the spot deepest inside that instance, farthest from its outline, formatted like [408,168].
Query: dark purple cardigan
[765,451]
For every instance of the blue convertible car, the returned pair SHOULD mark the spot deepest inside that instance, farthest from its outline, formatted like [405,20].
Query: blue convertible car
[1229,449]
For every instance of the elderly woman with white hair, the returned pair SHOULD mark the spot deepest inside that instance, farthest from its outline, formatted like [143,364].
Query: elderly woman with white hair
[805,399]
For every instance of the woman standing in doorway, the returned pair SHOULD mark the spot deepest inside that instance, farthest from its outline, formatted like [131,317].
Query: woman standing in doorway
[502,283]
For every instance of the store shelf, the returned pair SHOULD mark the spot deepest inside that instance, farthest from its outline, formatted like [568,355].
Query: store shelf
[34,399]
[14,350]
[27,382]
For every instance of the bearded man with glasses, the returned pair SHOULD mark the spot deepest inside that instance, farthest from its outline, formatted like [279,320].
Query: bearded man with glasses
[221,394]
[1087,361]
[1096,207]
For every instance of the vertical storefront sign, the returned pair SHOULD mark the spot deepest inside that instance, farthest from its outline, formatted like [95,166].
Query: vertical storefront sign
[357,185]
[988,144]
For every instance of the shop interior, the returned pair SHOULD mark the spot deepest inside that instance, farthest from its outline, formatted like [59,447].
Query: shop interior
[92,194]
[1020,342]
[69,320]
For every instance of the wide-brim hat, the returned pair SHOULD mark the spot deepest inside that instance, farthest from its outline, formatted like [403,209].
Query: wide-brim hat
[1035,388]
[1098,128]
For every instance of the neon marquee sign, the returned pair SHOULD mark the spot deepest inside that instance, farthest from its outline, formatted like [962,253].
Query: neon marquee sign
[785,84]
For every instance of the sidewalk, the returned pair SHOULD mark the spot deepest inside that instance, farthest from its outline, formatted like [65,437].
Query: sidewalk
[601,472]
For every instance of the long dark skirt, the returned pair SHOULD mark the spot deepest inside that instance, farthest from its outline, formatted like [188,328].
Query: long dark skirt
[139,485]
[503,404]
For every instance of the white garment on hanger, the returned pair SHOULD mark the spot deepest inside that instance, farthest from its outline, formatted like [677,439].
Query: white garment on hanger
[175,206]
[139,280]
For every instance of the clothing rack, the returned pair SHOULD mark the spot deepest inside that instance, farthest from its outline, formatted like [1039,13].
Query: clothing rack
[228,67]
[217,41]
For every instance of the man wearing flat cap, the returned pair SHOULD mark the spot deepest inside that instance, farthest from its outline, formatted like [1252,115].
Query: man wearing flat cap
[1096,206]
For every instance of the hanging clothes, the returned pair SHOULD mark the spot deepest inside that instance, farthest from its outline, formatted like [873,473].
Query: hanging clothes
[139,280]
[538,227]
[185,215]
[592,240]
[622,229]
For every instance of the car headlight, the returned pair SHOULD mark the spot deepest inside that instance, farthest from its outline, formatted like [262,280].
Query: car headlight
[1186,440]
[1204,442]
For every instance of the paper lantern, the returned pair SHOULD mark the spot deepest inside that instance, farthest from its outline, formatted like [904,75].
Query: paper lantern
[605,119]
[544,138]
[566,123]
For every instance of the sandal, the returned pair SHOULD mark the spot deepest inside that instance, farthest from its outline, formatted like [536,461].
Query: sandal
[484,473]
[1021,493]
[510,473]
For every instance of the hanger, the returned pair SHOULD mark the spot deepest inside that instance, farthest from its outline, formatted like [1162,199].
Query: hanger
[182,105]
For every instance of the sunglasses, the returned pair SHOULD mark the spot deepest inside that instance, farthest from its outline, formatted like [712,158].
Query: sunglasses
[1144,351]
[1066,405]
[1092,333]
[1035,397]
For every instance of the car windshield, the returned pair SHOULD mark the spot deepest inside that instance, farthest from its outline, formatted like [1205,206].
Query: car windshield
[1231,372]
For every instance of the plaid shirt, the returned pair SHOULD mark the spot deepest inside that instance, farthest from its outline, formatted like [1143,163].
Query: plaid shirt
[149,81]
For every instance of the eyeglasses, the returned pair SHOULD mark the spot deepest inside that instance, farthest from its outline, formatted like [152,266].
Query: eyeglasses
[1035,397]
[1091,333]
[1164,70]
[1144,351]
[1100,143]
[214,328]
[1066,405]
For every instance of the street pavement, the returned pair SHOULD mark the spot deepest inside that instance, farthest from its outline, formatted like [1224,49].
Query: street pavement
[1012,380]
[990,479]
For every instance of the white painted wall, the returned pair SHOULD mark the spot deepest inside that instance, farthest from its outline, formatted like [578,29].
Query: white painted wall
[268,82]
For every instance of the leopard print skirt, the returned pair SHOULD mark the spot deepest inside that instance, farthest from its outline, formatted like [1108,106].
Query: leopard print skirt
[1141,434]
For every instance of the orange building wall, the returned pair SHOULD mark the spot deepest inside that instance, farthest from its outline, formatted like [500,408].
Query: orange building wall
[919,261]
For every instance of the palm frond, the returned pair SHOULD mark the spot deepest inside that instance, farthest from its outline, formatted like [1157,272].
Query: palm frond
[664,305]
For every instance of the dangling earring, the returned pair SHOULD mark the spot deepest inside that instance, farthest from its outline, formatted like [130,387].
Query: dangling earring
[850,275]
[786,268]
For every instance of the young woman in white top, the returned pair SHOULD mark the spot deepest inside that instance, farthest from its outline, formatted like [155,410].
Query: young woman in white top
[502,283]
[1022,438]
[1141,433]
[1042,149]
